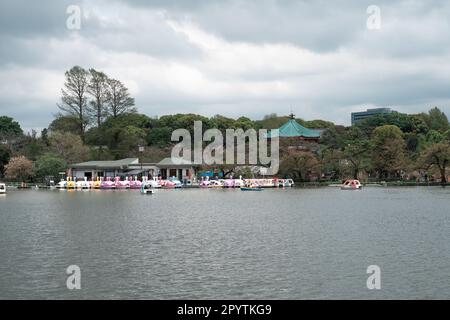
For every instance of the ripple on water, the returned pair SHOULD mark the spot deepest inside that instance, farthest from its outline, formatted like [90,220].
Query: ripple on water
[226,244]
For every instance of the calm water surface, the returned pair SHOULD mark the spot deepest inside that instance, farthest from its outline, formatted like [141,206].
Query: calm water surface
[226,244]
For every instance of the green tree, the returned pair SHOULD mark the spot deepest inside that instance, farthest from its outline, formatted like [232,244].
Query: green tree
[406,123]
[437,155]
[419,124]
[244,123]
[331,162]
[123,134]
[332,139]
[433,137]
[49,165]
[159,136]
[32,146]
[412,141]
[183,121]
[271,122]
[357,156]
[299,165]
[222,123]
[388,151]
[68,146]
[100,153]
[65,124]
[44,136]
[356,151]
[318,124]
[9,128]
[438,120]
[130,119]
[446,136]
[5,155]
[130,138]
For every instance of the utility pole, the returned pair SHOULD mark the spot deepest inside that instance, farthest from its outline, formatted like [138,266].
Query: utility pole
[141,151]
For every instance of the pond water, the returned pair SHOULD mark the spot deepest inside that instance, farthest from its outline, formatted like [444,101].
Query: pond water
[226,244]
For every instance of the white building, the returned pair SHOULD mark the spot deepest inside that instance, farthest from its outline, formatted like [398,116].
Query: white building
[131,167]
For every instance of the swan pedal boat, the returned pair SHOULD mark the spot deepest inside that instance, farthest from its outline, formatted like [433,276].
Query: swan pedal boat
[2,188]
[351,185]
[147,187]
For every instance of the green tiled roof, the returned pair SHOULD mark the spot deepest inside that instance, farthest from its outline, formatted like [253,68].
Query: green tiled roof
[293,129]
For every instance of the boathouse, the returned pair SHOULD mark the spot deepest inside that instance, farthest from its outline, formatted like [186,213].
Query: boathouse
[131,167]
[128,167]
[179,168]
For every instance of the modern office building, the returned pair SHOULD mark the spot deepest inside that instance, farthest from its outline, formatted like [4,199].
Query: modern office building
[358,116]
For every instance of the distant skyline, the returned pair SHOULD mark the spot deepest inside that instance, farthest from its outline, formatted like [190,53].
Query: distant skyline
[236,58]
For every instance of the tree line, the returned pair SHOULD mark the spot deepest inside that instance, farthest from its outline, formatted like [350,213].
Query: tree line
[98,120]
[386,147]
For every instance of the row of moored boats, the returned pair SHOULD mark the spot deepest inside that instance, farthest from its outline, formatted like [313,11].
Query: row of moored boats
[109,183]
[147,185]
[117,183]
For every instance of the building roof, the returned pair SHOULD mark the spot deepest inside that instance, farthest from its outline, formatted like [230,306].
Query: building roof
[133,164]
[135,172]
[293,129]
[107,164]
[166,162]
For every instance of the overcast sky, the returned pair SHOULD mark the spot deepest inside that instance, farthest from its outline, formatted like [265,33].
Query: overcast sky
[234,58]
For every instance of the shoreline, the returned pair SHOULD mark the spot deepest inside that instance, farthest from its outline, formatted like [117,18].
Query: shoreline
[298,185]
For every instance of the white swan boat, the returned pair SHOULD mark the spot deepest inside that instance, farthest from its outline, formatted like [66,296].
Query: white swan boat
[82,184]
[2,188]
[352,184]
[147,187]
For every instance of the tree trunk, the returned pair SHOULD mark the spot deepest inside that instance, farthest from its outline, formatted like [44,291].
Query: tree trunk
[443,177]
[355,173]
[81,128]
[99,113]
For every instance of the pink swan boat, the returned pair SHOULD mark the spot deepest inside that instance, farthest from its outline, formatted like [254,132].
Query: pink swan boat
[229,183]
[108,184]
[135,184]
[122,184]
[167,184]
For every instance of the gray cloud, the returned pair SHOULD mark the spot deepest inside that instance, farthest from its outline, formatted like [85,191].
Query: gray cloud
[24,18]
[231,57]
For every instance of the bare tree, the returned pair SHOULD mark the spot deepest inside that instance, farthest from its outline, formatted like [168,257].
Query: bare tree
[97,88]
[118,99]
[73,99]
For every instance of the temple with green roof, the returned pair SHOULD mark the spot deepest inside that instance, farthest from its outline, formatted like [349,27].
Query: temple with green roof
[293,129]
